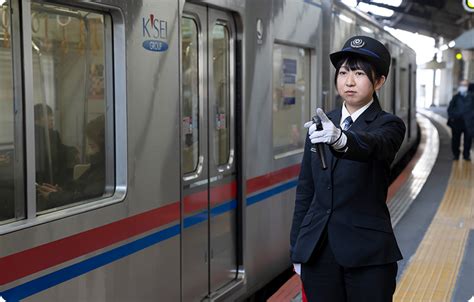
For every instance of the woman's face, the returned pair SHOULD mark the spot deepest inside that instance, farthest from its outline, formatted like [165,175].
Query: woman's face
[49,122]
[355,87]
[92,147]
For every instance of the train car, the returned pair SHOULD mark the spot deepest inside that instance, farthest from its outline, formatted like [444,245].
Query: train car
[149,150]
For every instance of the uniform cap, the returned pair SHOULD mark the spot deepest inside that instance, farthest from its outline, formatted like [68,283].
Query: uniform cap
[367,48]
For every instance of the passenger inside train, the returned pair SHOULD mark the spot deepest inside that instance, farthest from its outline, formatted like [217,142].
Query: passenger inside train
[54,160]
[90,183]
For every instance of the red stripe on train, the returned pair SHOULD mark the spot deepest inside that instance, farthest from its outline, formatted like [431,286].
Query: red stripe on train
[270,179]
[50,254]
[198,201]
[53,253]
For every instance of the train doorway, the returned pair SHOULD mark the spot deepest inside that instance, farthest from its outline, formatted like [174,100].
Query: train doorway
[209,187]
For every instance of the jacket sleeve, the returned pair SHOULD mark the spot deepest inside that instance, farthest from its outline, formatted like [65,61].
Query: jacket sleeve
[452,108]
[90,185]
[381,143]
[469,117]
[304,193]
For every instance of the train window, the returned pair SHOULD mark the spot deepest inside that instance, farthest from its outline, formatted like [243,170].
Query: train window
[70,96]
[220,51]
[291,104]
[7,133]
[403,104]
[394,94]
[190,85]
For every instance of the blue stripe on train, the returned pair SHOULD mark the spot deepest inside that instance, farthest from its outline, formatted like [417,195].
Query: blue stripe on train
[39,284]
[312,2]
[274,191]
[202,216]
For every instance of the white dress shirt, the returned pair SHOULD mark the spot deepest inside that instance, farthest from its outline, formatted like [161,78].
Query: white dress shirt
[340,145]
[354,115]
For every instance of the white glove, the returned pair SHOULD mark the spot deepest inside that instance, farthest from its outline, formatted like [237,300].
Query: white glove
[311,127]
[330,134]
[297,268]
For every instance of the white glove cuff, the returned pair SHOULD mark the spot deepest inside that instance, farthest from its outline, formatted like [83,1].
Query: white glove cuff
[297,268]
[340,143]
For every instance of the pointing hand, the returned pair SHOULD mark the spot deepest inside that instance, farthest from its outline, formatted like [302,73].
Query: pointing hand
[330,133]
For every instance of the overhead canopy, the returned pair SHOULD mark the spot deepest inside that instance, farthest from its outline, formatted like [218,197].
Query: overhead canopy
[433,64]
[465,40]
[435,18]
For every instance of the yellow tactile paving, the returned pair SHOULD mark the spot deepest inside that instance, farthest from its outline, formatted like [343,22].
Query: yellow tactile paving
[432,271]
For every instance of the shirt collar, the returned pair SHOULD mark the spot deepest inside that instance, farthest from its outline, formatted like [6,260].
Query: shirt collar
[354,115]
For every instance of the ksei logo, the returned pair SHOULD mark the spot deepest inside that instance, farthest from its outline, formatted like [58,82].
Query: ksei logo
[155,31]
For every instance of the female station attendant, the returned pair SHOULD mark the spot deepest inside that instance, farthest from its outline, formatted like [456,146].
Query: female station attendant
[342,240]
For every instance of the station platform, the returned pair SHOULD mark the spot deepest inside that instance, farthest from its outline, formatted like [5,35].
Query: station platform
[432,208]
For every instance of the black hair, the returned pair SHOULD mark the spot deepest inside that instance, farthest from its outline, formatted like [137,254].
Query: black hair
[358,63]
[95,130]
[39,111]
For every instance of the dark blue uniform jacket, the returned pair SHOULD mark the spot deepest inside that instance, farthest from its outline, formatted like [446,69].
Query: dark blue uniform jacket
[349,198]
[460,110]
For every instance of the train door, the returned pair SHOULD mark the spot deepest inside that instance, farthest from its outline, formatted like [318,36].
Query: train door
[209,205]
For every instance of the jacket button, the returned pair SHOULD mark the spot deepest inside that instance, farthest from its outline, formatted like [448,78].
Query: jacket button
[328,211]
[329,187]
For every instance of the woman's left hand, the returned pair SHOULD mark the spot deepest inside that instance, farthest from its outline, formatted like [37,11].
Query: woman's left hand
[45,189]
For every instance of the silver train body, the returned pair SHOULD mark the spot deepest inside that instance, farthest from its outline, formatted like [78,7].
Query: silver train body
[204,104]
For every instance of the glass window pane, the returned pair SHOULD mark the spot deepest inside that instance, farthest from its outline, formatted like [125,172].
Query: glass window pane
[190,78]
[7,133]
[291,70]
[68,49]
[403,104]
[220,63]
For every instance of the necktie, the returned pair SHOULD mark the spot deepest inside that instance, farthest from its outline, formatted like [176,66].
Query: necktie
[347,123]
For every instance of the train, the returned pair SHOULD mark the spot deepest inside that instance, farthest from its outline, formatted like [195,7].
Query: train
[150,150]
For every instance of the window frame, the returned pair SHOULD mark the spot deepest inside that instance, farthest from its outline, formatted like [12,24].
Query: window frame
[200,158]
[115,112]
[311,54]
[18,137]
[228,165]
[197,172]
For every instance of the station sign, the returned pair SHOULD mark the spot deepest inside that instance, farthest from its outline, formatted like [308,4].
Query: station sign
[468,5]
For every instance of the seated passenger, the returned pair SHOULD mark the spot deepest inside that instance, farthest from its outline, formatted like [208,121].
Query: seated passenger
[54,160]
[90,184]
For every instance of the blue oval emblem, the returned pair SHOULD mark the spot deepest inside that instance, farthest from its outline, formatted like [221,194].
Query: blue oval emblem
[155,45]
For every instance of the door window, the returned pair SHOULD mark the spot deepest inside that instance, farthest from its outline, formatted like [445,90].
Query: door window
[220,63]
[190,99]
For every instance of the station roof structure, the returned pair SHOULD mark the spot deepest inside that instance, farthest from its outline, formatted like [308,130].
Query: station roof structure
[435,18]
